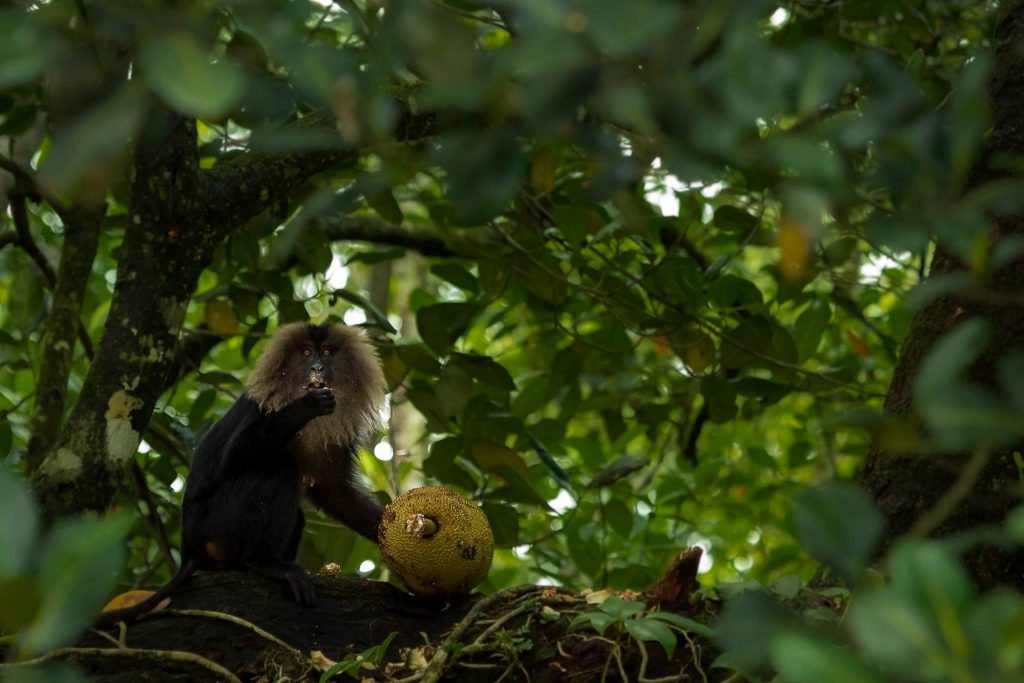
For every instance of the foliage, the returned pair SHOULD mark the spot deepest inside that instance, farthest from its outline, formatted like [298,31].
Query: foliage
[667,255]
[628,615]
[53,584]
[925,624]
[353,662]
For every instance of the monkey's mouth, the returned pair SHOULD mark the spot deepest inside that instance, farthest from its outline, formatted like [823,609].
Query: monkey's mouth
[315,380]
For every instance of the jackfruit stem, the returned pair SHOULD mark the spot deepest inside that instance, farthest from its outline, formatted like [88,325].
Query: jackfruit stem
[420,525]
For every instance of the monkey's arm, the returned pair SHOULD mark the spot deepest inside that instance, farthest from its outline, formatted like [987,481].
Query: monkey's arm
[246,438]
[337,491]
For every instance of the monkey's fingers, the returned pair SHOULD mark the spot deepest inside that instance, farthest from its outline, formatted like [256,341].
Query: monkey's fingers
[302,587]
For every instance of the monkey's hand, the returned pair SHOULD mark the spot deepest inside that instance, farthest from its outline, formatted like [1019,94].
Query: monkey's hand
[316,403]
[302,586]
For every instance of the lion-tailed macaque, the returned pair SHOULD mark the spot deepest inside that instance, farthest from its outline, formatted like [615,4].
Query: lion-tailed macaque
[314,395]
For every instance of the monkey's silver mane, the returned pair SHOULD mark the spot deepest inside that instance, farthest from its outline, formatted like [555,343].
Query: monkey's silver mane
[358,384]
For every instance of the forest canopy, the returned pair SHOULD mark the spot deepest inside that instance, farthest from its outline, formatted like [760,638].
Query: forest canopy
[642,276]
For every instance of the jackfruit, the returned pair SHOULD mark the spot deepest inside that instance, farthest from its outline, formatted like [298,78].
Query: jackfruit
[437,542]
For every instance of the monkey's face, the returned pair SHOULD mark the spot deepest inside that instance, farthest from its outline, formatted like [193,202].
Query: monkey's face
[317,369]
[301,357]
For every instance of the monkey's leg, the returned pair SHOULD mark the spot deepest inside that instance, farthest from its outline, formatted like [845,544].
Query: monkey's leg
[298,579]
[291,548]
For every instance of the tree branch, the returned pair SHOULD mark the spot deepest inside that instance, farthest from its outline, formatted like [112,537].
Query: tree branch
[234,192]
[426,242]
[28,181]
[63,324]
[20,214]
[161,258]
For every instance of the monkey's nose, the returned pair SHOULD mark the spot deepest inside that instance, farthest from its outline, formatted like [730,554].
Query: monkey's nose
[317,367]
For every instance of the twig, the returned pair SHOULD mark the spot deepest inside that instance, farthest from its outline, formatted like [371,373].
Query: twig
[25,241]
[237,621]
[695,651]
[24,399]
[129,653]
[154,517]
[645,660]
[435,668]
[616,653]
[28,180]
[956,493]
[479,644]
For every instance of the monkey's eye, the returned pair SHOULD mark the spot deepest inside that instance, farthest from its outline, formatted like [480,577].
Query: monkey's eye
[307,352]
[326,351]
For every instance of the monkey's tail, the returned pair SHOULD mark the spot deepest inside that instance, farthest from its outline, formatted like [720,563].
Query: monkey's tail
[108,619]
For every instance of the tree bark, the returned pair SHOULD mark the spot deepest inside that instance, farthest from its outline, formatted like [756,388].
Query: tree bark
[81,236]
[249,627]
[907,486]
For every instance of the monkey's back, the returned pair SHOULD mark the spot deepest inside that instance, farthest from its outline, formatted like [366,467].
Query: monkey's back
[246,505]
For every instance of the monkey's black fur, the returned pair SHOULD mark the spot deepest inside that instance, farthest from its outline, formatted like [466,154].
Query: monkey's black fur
[241,508]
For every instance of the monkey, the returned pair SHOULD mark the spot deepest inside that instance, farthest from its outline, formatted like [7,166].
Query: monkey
[313,396]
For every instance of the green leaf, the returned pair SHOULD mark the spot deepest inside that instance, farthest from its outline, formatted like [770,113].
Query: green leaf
[80,564]
[504,521]
[19,524]
[441,324]
[20,598]
[383,202]
[960,414]
[457,275]
[619,517]
[484,369]
[26,48]
[810,328]
[729,292]
[648,629]
[577,222]
[805,658]
[373,314]
[352,662]
[621,609]
[484,170]
[599,621]
[838,525]
[453,391]
[684,623]
[95,142]
[378,256]
[619,28]
[720,397]
[179,71]
[950,357]
[623,466]
[430,406]
[6,439]
[932,578]
[416,357]
[734,219]
[489,455]
[746,628]
[895,634]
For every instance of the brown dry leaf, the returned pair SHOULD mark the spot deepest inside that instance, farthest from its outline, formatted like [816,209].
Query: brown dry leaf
[221,318]
[794,249]
[860,347]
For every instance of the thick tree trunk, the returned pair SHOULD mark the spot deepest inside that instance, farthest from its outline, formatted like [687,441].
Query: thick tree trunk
[908,486]
[159,263]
